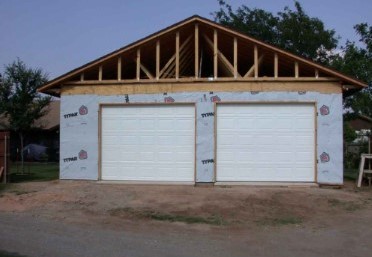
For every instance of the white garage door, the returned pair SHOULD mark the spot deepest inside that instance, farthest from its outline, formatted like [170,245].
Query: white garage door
[265,142]
[148,143]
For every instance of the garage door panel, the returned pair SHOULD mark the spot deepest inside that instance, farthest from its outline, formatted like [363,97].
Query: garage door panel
[184,125]
[284,123]
[303,123]
[150,142]
[147,123]
[165,140]
[265,142]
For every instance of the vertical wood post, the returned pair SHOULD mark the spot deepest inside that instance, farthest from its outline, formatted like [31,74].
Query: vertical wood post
[316,73]
[276,68]
[255,62]
[296,70]
[138,69]
[235,57]
[157,59]
[100,73]
[215,54]
[177,55]
[119,68]
[196,51]
[82,76]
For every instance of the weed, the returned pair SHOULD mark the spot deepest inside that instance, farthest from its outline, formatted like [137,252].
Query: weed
[21,192]
[149,214]
[345,205]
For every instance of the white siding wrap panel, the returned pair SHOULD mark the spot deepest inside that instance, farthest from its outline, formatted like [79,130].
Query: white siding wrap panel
[265,142]
[148,143]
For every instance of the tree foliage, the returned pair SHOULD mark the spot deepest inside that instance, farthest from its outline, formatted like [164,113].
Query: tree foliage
[292,30]
[19,100]
[357,62]
[349,133]
[306,36]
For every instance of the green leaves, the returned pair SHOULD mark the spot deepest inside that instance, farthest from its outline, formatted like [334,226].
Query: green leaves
[357,62]
[292,30]
[306,36]
[20,101]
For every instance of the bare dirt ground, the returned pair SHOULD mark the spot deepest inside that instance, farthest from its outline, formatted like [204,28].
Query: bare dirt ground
[329,219]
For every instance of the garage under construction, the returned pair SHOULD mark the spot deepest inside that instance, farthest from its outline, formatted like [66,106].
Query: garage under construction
[200,103]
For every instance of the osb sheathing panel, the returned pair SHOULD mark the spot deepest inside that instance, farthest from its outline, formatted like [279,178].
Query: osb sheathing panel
[293,86]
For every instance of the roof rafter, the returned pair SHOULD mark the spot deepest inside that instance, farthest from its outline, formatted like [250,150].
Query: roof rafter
[173,58]
[251,71]
[287,60]
[221,57]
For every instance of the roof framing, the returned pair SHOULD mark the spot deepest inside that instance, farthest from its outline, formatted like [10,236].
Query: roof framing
[198,49]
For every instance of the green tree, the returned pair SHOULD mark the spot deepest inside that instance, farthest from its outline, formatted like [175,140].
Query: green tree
[19,100]
[357,62]
[349,133]
[256,23]
[292,30]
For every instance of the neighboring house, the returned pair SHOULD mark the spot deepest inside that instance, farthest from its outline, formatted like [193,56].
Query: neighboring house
[361,122]
[45,133]
[363,127]
[197,102]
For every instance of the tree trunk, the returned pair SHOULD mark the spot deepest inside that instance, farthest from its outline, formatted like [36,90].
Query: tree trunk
[21,152]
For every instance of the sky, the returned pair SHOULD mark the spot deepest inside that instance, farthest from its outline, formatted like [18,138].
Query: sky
[60,35]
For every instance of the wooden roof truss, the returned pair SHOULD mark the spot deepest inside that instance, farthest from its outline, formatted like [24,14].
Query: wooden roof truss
[196,51]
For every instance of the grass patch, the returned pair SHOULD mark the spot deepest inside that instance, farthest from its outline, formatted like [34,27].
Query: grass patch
[282,221]
[3,187]
[34,172]
[351,174]
[345,205]
[149,214]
